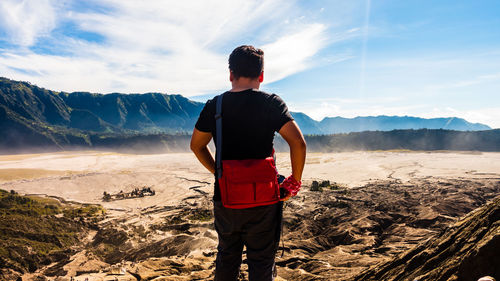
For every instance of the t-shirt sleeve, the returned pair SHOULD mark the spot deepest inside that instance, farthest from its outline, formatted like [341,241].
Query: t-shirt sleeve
[281,115]
[206,120]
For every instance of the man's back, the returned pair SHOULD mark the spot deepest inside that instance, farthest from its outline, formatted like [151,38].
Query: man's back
[249,120]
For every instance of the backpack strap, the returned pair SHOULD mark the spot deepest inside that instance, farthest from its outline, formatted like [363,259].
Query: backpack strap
[218,135]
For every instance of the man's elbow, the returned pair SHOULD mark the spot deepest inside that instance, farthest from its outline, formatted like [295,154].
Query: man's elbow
[194,148]
[303,145]
[299,145]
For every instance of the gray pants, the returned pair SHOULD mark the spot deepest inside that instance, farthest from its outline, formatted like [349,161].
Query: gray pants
[258,229]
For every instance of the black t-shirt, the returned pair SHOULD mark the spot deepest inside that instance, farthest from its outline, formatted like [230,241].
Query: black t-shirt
[249,120]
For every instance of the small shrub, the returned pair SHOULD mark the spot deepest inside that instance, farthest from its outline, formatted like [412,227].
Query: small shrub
[325,184]
[336,186]
[201,215]
[340,204]
[316,187]
[173,220]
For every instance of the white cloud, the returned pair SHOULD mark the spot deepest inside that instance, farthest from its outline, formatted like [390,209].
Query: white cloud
[24,21]
[289,54]
[350,108]
[167,46]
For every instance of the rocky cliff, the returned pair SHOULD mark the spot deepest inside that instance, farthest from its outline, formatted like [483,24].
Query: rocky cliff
[466,250]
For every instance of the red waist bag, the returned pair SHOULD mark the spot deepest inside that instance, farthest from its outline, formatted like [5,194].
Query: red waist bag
[244,183]
[248,183]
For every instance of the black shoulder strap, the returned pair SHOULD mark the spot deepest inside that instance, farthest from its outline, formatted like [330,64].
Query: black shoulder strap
[218,135]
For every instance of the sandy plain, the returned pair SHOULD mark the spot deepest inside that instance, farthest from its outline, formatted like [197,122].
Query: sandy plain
[182,185]
[84,176]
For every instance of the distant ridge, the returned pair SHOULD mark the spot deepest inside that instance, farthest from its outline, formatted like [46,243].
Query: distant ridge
[335,125]
[31,116]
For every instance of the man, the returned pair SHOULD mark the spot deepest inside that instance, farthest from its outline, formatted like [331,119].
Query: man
[250,118]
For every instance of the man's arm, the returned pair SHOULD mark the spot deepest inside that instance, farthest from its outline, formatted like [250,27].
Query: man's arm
[199,145]
[293,136]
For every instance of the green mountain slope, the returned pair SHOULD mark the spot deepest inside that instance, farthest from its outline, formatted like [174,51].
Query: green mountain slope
[151,112]
[33,119]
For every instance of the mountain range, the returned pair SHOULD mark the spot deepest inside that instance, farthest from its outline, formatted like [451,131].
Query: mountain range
[34,116]
[336,125]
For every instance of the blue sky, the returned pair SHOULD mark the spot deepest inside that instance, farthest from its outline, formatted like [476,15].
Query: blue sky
[325,58]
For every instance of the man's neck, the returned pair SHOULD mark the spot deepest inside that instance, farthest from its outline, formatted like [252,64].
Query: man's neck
[244,83]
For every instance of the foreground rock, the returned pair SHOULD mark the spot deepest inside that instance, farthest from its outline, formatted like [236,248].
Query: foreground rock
[330,233]
[466,250]
[336,234]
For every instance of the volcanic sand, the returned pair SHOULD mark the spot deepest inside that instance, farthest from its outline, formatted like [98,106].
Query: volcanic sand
[183,185]
[84,176]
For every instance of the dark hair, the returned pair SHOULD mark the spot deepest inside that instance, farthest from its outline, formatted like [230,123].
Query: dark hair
[246,61]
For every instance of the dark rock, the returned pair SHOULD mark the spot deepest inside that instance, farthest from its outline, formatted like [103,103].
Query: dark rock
[465,251]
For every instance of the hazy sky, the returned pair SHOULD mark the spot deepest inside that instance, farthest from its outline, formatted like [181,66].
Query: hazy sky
[325,58]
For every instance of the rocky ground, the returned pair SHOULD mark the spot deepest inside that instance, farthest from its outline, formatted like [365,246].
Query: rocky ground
[465,250]
[332,234]
[350,230]
[332,231]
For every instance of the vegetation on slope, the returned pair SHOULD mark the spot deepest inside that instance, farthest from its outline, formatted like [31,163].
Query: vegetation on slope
[146,113]
[36,119]
[423,139]
[36,231]
[33,118]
